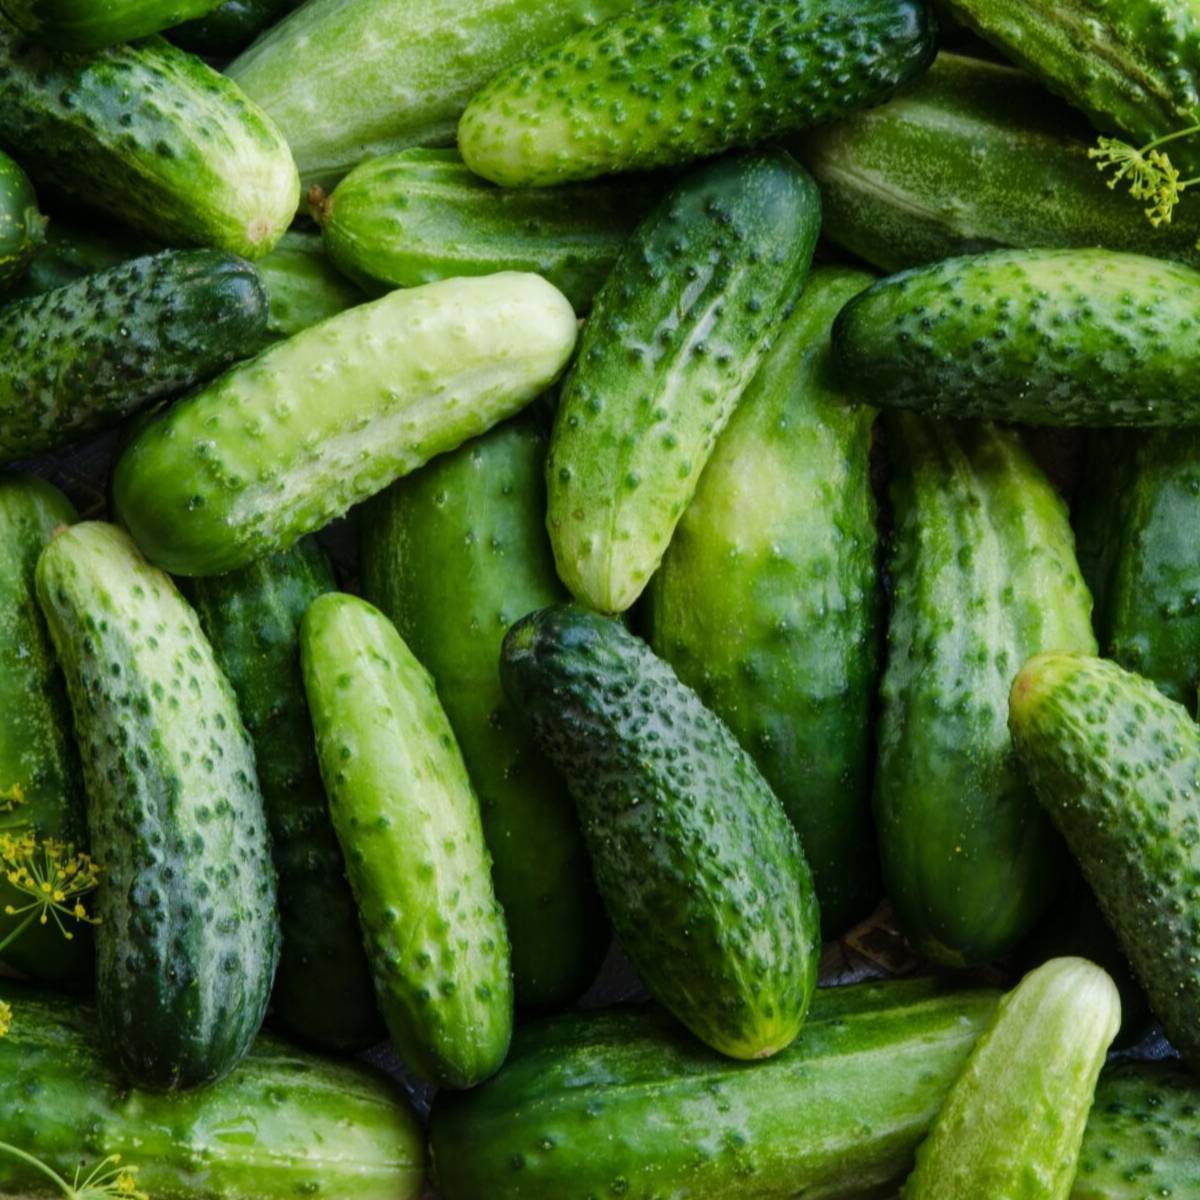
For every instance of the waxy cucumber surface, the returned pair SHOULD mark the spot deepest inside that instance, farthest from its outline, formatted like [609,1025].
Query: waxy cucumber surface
[95,24]
[303,286]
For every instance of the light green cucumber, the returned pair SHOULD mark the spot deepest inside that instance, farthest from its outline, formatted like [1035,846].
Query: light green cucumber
[303,286]
[95,24]
[22,226]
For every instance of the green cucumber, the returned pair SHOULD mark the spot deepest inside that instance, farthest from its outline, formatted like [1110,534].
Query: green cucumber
[393,73]
[87,25]
[700,870]
[70,251]
[303,286]
[409,825]
[624,1104]
[454,554]
[323,991]
[85,356]
[284,1124]
[152,136]
[231,26]
[22,226]
[282,445]
[422,215]
[188,936]
[1117,766]
[1013,1122]
[678,331]
[984,576]
[686,79]
[768,600]
[1043,337]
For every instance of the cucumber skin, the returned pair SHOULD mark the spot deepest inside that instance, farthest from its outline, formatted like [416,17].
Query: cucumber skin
[600,102]
[969,860]
[151,136]
[699,868]
[303,286]
[70,251]
[768,601]
[1083,728]
[323,992]
[284,1124]
[677,333]
[333,415]
[83,25]
[454,554]
[970,158]
[22,226]
[1042,337]
[188,938]
[408,821]
[231,26]
[83,357]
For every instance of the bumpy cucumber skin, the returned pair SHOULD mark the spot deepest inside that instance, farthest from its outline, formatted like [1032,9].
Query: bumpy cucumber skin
[284,1124]
[984,576]
[22,226]
[152,136]
[323,991]
[86,356]
[231,26]
[282,445]
[768,600]
[423,215]
[699,868]
[303,286]
[188,937]
[972,157]
[1116,766]
[454,554]
[408,821]
[686,79]
[625,1103]
[1013,1122]
[678,331]
[86,25]
[1042,337]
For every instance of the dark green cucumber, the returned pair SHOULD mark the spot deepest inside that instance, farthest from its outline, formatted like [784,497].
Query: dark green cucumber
[408,821]
[188,936]
[303,286]
[231,26]
[768,600]
[625,1104]
[1043,337]
[22,226]
[323,991]
[984,576]
[150,135]
[70,251]
[454,554]
[686,79]
[1117,767]
[678,331]
[284,1124]
[423,215]
[89,25]
[699,868]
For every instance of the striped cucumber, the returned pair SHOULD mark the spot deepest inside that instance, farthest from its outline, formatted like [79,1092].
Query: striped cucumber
[88,25]
[231,26]
[303,286]
[22,226]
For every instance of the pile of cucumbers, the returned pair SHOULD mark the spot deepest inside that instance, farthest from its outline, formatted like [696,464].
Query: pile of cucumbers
[771,434]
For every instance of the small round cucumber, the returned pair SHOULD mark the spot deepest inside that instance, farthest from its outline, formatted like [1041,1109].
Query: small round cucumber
[22,226]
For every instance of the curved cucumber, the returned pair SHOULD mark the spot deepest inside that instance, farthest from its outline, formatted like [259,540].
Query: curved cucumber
[678,331]
[282,445]
[303,286]
[408,822]
[88,25]
[22,226]
[231,26]
[768,600]
[188,936]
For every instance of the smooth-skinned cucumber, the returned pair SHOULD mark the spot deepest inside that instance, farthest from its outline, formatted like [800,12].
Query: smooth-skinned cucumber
[408,821]
[304,288]
[88,25]
[768,600]
[678,331]
[188,937]
[22,226]
[282,445]
[231,26]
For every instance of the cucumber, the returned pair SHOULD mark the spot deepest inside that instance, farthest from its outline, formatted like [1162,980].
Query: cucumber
[393,73]
[83,357]
[1116,765]
[984,576]
[624,1103]
[453,554]
[303,285]
[1043,337]
[323,992]
[231,26]
[422,215]
[685,79]
[284,1124]
[975,156]
[768,600]
[699,868]
[188,936]
[1013,1122]
[151,136]
[70,251]
[678,331]
[22,226]
[408,822]
[87,25]
[333,415]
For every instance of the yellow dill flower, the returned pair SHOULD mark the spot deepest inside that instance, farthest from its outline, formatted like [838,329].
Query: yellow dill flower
[1148,170]
[105,1181]
[11,797]
[5,1018]
[52,876]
